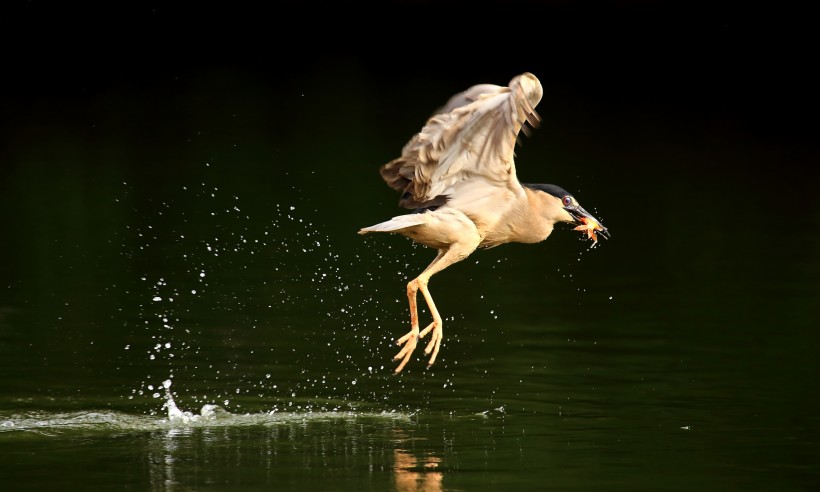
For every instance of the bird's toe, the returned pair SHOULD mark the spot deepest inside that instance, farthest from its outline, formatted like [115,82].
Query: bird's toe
[434,344]
[409,340]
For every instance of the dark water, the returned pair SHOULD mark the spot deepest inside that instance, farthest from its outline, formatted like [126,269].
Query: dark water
[199,227]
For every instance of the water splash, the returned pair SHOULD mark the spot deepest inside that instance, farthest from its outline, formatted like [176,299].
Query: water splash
[53,424]
[209,411]
[210,415]
[204,231]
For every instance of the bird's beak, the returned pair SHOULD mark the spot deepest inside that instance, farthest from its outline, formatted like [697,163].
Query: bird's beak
[586,222]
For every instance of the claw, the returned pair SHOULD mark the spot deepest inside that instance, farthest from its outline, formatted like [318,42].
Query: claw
[403,339]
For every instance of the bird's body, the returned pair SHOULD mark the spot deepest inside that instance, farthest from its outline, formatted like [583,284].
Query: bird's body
[458,175]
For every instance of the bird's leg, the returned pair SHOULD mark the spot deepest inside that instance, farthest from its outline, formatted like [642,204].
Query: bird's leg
[456,252]
[411,338]
[437,325]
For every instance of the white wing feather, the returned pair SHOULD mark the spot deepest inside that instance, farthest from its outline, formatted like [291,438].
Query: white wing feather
[473,137]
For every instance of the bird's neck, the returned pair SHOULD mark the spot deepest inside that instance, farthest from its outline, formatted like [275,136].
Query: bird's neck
[523,223]
[534,226]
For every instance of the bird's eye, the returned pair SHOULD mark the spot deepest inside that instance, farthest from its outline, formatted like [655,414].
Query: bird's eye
[567,200]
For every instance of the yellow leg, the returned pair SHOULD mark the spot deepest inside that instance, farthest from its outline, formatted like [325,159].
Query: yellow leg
[411,338]
[444,259]
[436,326]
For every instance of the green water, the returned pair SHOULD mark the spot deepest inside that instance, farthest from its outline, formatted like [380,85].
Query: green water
[203,230]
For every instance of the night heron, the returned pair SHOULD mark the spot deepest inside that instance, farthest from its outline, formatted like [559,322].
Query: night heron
[458,176]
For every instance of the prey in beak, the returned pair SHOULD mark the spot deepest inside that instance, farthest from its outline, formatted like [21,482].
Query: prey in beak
[584,221]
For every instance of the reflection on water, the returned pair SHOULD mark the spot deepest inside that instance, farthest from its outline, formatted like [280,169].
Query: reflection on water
[161,470]
[414,473]
[291,454]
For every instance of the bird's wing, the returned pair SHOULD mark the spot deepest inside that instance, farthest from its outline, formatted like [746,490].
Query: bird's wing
[472,137]
[468,96]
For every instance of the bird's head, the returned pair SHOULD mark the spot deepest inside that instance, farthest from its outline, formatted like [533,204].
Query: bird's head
[559,205]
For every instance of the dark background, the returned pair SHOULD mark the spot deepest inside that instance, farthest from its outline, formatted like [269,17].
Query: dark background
[731,75]
[716,58]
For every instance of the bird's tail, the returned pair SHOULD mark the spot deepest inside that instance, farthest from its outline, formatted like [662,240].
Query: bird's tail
[395,224]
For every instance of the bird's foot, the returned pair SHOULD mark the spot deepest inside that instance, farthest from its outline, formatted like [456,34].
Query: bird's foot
[409,341]
[435,340]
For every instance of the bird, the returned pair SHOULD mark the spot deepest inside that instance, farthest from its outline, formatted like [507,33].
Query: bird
[458,177]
